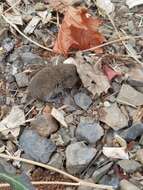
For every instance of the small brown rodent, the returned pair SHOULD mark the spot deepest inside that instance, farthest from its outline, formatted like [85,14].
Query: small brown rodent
[48,81]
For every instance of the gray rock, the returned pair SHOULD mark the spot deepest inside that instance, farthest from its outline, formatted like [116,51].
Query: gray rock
[21,79]
[129,96]
[110,180]
[135,77]
[126,185]
[129,166]
[44,125]
[82,100]
[139,156]
[132,132]
[57,161]
[101,172]
[78,156]
[37,147]
[113,117]
[8,45]
[31,58]
[7,167]
[90,132]
[141,140]
[25,167]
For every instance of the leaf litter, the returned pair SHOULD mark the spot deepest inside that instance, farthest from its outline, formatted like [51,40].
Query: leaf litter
[78,30]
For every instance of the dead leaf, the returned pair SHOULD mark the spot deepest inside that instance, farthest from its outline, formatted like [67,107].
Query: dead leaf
[109,72]
[78,31]
[59,116]
[115,152]
[93,78]
[105,5]
[133,3]
[11,124]
[61,5]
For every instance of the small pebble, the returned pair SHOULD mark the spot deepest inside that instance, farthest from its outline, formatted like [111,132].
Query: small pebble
[126,185]
[129,166]
[82,100]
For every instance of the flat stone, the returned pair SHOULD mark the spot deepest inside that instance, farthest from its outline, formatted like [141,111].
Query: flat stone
[126,185]
[7,167]
[90,132]
[101,172]
[129,96]
[111,180]
[139,156]
[57,161]
[37,147]
[21,79]
[135,77]
[44,125]
[113,117]
[129,166]
[82,100]
[132,132]
[78,156]
[141,140]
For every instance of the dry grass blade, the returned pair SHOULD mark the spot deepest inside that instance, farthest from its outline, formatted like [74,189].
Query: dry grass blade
[79,181]
[46,183]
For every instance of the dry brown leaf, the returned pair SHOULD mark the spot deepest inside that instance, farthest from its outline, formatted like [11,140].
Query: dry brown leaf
[61,5]
[78,31]
[93,78]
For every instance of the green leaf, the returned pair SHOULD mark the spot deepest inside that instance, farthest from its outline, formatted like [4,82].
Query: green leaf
[20,182]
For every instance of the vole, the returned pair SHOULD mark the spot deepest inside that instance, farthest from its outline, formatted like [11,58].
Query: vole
[49,81]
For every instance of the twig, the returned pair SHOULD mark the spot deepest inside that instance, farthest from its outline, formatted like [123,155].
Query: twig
[79,181]
[111,42]
[46,183]
[22,34]
[11,7]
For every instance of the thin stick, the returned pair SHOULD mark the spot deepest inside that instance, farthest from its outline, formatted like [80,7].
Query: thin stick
[46,183]
[13,6]
[111,42]
[22,34]
[81,182]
